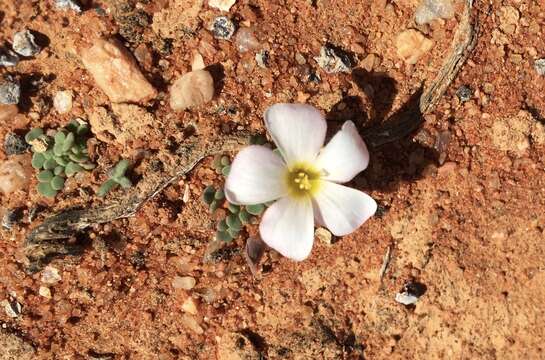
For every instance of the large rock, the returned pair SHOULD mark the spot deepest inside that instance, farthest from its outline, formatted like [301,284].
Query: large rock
[116,72]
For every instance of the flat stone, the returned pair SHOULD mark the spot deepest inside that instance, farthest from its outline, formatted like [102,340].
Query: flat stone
[8,57]
[191,90]
[539,65]
[116,72]
[24,44]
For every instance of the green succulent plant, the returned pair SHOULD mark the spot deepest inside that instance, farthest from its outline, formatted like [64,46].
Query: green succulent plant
[117,178]
[59,156]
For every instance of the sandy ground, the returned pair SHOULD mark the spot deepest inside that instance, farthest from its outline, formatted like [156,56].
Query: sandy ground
[461,202]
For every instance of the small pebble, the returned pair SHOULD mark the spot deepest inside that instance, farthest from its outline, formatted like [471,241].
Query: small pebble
[24,44]
[50,275]
[15,144]
[333,60]
[246,40]
[45,292]
[430,10]
[192,89]
[68,5]
[8,57]
[191,323]
[539,65]
[63,101]
[223,5]
[10,92]
[12,217]
[12,308]
[464,93]
[189,306]
[324,235]
[410,293]
[223,28]
[15,173]
[183,282]
[262,59]
[488,88]
[412,45]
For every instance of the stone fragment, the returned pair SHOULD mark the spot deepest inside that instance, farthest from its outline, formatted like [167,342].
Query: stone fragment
[246,40]
[15,174]
[14,144]
[191,323]
[10,92]
[333,60]
[45,292]
[183,282]
[192,89]
[50,275]
[24,44]
[116,72]
[410,293]
[63,101]
[430,10]
[509,18]
[11,217]
[324,235]
[223,5]
[68,5]
[539,65]
[464,93]
[8,57]
[11,308]
[411,45]
[189,306]
[223,28]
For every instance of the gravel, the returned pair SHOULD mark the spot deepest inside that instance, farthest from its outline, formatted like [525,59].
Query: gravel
[12,217]
[24,44]
[464,93]
[539,65]
[333,60]
[410,293]
[68,5]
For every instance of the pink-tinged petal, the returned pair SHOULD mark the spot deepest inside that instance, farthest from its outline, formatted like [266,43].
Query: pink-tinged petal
[344,156]
[342,209]
[297,129]
[288,227]
[257,176]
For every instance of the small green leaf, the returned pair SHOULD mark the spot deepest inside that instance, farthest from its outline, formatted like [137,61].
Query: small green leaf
[38,160]
[59,171]
[219,194]
[61,160]
[79,158]
[57,183]
[244,216]
[57,149]
[209,194]
[216,162]
[233,222]
[33,135]
[233,232]
[68,142]
[256,209]
[120,168]
[222,225]
[224,236]
[45,176]
[46,190]
[50,164]
[224,160]
[88,166]
[107,187]
[72,168]
[233,208]
[59,138]
[124,182]
[214,205]
[225,171]
[48,154]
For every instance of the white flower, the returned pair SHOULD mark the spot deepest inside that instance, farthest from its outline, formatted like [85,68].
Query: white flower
[304,180]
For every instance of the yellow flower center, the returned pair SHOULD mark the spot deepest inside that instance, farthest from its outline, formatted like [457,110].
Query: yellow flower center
[302,180]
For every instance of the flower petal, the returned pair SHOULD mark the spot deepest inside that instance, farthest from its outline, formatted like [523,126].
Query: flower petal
[256,176]
[288,227]
[342,209]
[297,129]
[344,156]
